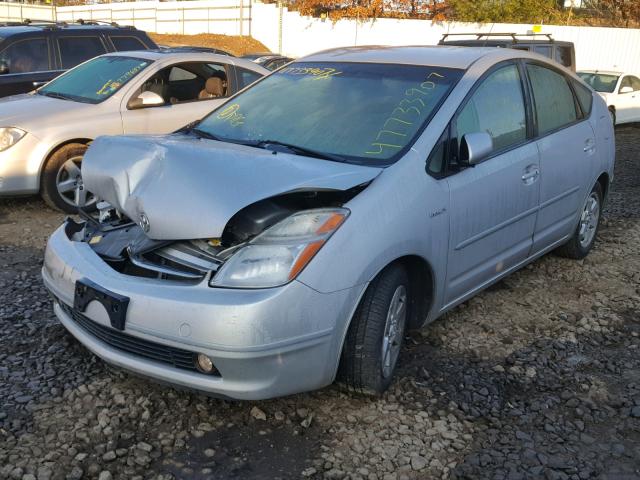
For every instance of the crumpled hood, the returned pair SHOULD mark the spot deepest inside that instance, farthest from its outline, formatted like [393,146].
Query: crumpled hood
[189,188]
[29,111]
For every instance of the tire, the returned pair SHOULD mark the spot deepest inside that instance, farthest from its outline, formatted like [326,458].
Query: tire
[612,112]
[585,233]
[361,367]
[61,183]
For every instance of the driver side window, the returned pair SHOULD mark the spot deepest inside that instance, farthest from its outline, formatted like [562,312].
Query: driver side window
[188,82]
[496,107]
[25,56]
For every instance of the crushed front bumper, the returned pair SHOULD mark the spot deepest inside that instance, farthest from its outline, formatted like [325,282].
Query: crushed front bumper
[264,343]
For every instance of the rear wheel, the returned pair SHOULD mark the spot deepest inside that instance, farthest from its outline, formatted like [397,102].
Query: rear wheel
[584,236]
[61,186]
[376,334]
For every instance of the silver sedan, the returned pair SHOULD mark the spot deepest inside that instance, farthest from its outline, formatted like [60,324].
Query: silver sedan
[292,236]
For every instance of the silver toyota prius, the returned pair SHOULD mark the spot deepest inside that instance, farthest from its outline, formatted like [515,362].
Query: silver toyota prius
[292,236]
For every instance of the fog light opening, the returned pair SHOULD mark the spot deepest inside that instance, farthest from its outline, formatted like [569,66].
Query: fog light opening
[204,363]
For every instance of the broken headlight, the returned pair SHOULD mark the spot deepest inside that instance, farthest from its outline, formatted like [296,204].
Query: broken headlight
[9,136]
[280,253]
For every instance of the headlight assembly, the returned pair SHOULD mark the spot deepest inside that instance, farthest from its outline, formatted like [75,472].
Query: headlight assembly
[281,252]
[9,136]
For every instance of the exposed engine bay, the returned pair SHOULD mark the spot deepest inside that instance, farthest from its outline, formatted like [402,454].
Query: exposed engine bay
[124,245]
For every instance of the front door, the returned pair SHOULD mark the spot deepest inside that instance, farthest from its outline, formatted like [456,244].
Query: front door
[189,90]
[27,64]
[493,205]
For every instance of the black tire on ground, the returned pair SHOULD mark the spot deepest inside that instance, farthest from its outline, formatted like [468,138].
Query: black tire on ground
[612,112]
[361,362]
[574,248]
[48,181]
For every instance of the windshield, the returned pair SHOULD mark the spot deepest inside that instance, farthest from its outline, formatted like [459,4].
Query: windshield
[95,80]
[600,82]
[356,112]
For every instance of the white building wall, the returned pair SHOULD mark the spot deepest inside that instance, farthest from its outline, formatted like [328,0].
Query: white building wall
[296,35]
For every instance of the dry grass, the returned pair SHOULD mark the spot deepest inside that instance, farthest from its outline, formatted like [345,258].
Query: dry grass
[233,44]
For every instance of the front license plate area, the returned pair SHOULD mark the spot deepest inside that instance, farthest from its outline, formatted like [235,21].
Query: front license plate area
[115,304]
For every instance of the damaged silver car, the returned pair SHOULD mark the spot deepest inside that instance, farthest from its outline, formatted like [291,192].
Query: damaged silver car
[294,235]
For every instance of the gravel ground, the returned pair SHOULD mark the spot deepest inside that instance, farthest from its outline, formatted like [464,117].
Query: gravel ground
[538,377]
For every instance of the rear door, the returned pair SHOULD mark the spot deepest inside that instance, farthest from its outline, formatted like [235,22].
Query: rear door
[567,147]
[494,203]
[29,65]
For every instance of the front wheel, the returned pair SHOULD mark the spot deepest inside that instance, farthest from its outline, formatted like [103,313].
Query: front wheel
[376,334]
[61,184]
[580,244]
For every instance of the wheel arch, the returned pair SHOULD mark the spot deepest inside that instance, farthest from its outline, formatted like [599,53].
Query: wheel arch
[58,146]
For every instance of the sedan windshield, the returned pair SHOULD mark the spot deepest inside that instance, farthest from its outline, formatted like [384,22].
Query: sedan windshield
[600,82]
[95,80]
[354,112]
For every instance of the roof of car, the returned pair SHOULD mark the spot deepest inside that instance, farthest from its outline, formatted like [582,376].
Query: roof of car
[439,56]
[187,56]
[7,30]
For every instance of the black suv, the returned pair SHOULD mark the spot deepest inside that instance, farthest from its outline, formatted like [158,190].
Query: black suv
[562,52]
[34,52]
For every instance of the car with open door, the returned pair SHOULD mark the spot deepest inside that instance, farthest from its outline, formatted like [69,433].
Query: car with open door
[292,236]
[44,134]
[620,90]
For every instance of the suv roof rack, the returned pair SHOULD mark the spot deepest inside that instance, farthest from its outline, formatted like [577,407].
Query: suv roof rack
[61,23]
[514,36]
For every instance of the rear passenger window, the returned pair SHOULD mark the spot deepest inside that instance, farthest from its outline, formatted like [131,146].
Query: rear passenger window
[585,97]
[563,55]
[26,56]
[124,44]
[496,107]
[75,50]
[543,50]
[246,77]
[555,106]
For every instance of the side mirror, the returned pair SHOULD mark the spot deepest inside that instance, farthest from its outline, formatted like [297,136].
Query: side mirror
[626,90]
[474,147]
[4,68]
[146,99]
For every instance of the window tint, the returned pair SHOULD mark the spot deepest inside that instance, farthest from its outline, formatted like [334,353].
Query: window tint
[75,50]
[26,56]
[563,55]
[496,107]
[543,50]
[553,98]
[246,77]
[585,97]
[124,44]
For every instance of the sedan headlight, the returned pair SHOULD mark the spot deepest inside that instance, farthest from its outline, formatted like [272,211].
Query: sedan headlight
[281,252]
[9,136]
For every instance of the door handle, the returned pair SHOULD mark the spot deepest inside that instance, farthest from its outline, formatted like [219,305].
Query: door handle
[530,175]
[38,84]
[589,145]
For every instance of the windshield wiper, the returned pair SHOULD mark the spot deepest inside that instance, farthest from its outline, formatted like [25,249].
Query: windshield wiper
[203,134]
[298,150]
[63,96]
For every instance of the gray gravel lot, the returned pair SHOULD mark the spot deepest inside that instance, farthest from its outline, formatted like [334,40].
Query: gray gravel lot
[538,377]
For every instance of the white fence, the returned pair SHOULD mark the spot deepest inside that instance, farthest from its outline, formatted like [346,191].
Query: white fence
[296,35]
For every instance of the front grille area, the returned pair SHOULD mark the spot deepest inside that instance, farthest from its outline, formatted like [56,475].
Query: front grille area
[176,357]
